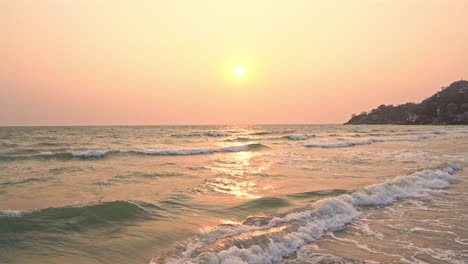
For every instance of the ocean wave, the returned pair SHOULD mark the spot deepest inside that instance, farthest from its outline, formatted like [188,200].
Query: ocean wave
[51,144]
[240,139]
[100,153]
[28,180]
[413,155]
[182,152]
[186,135]
[262,204]
[304,137]
[76,218]
[344,144]
[322,193]
[281,132]
[20,151]
[92,153]
[9,145]
[260,133]
[272,239]
[217,134]
[13,213]
[19,157]
[330,258]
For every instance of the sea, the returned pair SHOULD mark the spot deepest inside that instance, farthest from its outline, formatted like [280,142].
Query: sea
[252,194]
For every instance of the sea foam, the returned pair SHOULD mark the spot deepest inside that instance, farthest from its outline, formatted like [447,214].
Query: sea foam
[344,144]
[282,236]
[92,153]
[13,213]
[337,144]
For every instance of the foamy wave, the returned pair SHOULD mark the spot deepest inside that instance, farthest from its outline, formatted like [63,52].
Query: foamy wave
[46,153]
[344,144]
[282,236]
[363,131]
[159,151]
[13,213]
[217,134]
[414,155]
[317,258]
[92,153]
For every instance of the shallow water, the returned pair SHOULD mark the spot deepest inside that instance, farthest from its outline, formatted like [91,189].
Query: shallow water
[226,194]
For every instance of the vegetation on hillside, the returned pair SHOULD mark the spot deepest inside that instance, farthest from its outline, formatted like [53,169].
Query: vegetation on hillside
[447,107]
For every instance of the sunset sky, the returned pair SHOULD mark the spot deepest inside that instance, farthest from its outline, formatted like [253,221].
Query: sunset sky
[149,62]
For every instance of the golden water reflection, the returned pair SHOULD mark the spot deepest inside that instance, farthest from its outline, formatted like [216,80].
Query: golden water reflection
[238,172]
[244,238]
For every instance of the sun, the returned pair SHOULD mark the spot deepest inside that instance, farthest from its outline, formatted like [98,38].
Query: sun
[239,71]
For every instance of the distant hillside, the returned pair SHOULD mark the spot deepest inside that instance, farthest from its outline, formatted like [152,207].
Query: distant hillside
[447,107]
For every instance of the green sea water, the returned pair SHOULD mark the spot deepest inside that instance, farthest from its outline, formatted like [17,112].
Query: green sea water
[234,194]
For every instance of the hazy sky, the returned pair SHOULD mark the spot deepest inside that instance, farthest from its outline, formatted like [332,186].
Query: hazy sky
[105,62]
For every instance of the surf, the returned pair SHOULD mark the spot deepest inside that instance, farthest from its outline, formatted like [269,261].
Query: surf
[272,240]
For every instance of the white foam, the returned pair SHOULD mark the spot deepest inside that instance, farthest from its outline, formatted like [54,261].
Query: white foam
[162,151]
[363,131]
[337,144]
[92,153]
[318,258]
[325,215]
[12,213]
[217,134]
[445,255]
[344,144]
[367,230]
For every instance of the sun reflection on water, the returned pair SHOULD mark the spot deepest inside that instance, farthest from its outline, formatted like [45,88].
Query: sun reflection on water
[237,175]
[244,238]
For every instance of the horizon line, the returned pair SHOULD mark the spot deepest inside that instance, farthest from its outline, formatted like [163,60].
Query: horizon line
[250,124]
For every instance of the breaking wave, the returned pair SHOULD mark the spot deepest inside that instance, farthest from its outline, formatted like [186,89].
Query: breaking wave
[270,240]
[344,144]
[304,137]
[174,152]
[12,213]
[101,153]
[92,153]
[61,155]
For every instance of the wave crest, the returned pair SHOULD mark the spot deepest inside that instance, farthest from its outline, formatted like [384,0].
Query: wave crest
[279,237]
[184,152]
[76,218]
[217,134]
[344,144]
[92,153]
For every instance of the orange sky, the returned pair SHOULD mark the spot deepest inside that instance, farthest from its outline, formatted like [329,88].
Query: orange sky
[125,62]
